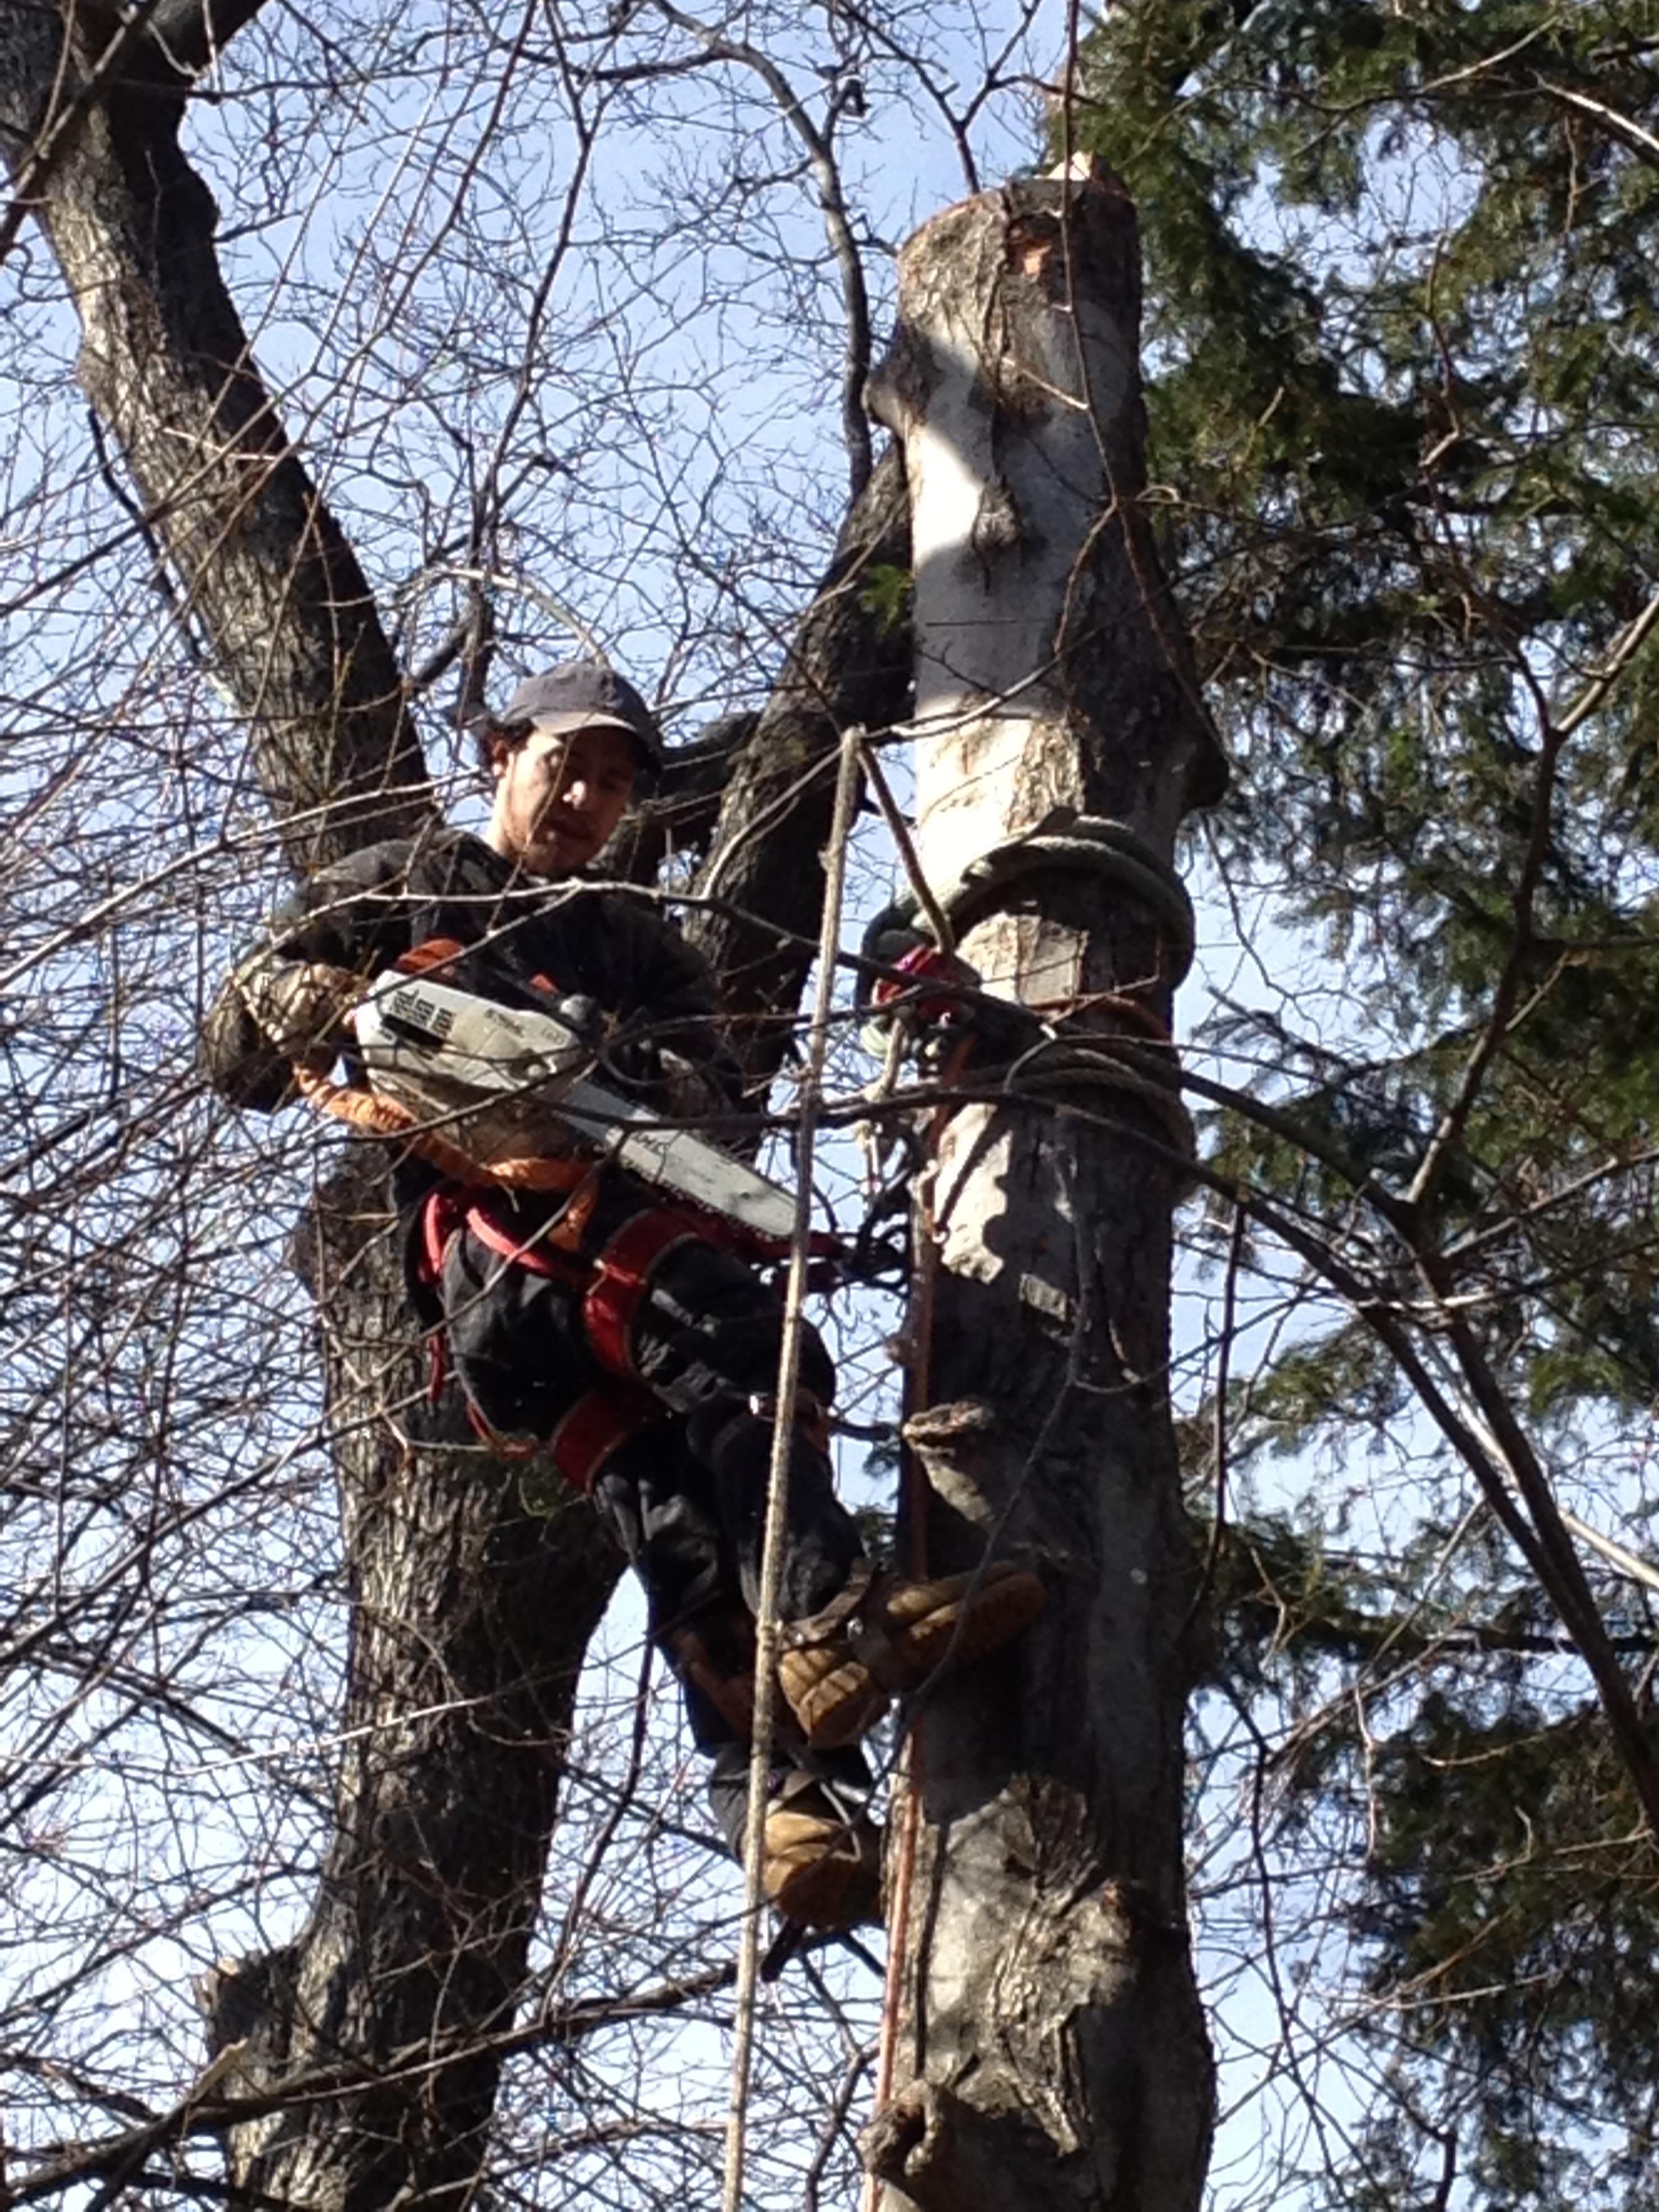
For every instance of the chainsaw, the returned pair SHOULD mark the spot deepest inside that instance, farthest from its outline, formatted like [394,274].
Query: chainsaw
[504,1081]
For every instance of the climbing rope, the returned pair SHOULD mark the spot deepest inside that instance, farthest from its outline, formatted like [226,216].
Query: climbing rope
[908,1779]
[767,1638]
[1109,1063]
[1064,842]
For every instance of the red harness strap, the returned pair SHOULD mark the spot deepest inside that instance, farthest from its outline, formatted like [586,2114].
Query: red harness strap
[449,1210]
[597,1425]
[440,1222]
[583,1438]
[535,1256]
[601,1420]
[622,1273]
[446,1211]
[432,952]
[441,1217]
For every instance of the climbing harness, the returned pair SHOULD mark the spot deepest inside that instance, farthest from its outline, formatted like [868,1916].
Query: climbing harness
[496,1074]
[610,1286]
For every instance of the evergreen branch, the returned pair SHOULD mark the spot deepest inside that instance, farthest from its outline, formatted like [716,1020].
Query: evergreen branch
[1455,1118]
[1503,1464]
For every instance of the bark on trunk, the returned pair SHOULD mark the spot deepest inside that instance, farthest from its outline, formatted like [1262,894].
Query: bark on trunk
[1052,2048]
[258,566]
[470,1619]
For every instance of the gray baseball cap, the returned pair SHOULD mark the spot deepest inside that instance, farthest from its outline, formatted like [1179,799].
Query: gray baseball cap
[586,695]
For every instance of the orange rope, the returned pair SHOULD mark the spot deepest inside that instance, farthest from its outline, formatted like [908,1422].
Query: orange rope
[374,1116]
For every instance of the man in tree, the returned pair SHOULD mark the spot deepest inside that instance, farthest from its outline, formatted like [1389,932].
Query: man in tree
[585,1322]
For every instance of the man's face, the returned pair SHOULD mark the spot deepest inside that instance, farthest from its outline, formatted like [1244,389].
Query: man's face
[558,797]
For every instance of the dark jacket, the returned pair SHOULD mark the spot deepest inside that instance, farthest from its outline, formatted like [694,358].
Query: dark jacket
[580,938]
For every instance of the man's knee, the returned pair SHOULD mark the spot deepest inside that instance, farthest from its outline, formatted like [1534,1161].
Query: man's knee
[709,1328]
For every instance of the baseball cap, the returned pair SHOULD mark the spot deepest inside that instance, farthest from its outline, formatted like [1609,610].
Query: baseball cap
[586,695]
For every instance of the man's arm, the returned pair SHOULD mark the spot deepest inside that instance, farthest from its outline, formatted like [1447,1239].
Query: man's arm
[671,1038]
[287,1000]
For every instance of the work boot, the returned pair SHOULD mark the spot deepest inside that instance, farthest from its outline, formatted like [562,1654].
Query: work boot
[823,1867]
[884,1636]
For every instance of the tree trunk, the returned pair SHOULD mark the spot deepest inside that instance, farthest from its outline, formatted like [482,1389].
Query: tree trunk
[470,1616]
[260,568]
[1051,2049]
[470,1619]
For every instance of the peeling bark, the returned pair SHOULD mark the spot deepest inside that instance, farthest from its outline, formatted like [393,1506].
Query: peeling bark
[1052,2048]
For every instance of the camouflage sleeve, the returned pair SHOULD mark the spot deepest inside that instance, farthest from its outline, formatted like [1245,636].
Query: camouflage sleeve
[348,917]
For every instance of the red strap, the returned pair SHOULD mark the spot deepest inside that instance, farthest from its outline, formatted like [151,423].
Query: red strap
[441,1217]
[595,1426]
[924,965]
[534,1256]
[624,1270]
[437,1363]
[503,1445]
[599,1424]
[434,953]
[601,1420]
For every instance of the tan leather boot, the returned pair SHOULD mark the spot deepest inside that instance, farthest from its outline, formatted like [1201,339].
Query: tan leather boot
[823,1867]
[885,1636]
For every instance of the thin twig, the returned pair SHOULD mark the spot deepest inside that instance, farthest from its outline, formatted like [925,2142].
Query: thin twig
[820,155]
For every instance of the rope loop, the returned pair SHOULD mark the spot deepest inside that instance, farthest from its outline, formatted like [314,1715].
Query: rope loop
[1107,1063]
[1062,843]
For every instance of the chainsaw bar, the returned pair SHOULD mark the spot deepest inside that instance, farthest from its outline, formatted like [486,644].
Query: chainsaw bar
[409,1028]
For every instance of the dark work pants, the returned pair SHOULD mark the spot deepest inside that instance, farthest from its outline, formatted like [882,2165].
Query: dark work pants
[686,1498]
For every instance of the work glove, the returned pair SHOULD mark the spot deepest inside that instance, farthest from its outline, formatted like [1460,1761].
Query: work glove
[583,1015]
[687,1091]
[302,1007]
